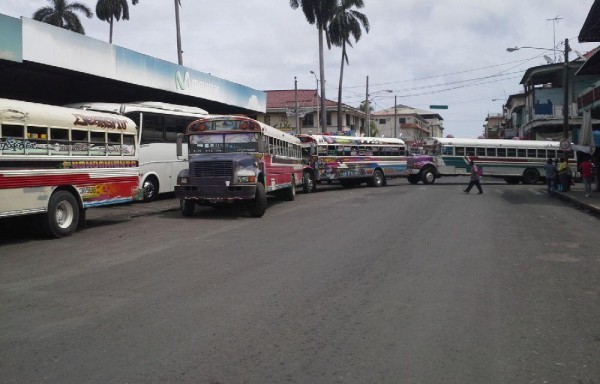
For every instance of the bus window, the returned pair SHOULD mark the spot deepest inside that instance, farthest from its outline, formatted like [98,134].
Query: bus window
[79,141]
[480,151]
[59,141]
[490,152]
[152,129]
[98,144]
[521,152]
[511,152]
[459,151]
[128,147]
[38,140]
[552,154]
[470,151]
[114,144]
[447,150]
[501,152]
[541,154]
[531,153]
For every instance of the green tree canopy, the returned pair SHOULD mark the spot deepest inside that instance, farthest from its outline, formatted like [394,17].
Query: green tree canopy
[63,14]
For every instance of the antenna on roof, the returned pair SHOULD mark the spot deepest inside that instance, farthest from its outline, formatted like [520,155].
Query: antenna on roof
[548,59]
[554,22]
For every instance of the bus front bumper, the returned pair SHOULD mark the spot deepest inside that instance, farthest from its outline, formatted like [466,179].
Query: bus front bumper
[215,193]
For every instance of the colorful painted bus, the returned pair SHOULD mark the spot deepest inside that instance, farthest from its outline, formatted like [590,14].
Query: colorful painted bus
[513,160]
[57,161]
[158,126]
[237,159]
[351,160]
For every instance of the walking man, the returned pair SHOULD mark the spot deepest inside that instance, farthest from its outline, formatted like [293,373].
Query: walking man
[474,178]
[550,169]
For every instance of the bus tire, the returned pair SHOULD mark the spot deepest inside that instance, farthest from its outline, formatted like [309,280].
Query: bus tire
[378,179]
[413,179]
[187,207]
[258,206]
[308,184]
[150,188]
[62,217]
[512,180]
[530,176]
[428,175]
[290,193]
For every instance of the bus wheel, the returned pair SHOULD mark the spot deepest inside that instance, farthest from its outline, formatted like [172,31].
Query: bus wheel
[258,206]
[187,207]
[150,188]
[290,193]
[62,217]
[308,184]
[413,179]
[378,179]
[428,176]
[530,176]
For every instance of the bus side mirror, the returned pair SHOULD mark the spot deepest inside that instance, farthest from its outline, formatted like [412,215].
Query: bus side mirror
[313,149]
[179,145]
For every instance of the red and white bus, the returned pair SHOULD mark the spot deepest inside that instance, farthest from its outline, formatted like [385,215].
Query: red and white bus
[57,161]
[236,158]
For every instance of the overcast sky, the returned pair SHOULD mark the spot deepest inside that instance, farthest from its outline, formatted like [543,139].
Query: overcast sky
[442,52]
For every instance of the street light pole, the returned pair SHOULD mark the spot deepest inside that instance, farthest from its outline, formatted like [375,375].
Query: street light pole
[368,110]
[395,116]
[317,94]
[566,93]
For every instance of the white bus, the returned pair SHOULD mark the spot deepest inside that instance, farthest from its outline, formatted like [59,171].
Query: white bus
[513,160]
[158,124]
[57,161]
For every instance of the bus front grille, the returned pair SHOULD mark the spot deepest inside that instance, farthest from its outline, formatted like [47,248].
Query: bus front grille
[212,168]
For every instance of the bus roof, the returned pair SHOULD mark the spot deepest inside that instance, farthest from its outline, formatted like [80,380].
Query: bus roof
[265,129]
[44,115]
[352,140]
[493,142]
[142,106]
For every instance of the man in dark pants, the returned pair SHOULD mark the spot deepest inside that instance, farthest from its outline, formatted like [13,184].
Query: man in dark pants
[474,178]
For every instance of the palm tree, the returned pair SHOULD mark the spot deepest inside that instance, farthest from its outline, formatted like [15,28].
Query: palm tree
[319,12]
[346,23]
[63,15]
[373,132]
[108,10]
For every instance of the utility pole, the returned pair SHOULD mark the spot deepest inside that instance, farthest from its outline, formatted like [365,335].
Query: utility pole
[179,51]
[395,116]
[368,108]
[566,93]
[296,108]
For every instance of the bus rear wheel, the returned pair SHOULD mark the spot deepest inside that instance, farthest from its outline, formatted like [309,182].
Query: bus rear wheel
[150,188]
[62,217]
[290,193]
[378,179]
[258,206]
[308,183]
[530,176]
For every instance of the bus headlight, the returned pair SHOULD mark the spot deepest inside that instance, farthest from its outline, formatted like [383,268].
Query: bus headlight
[183,180]
[246,179]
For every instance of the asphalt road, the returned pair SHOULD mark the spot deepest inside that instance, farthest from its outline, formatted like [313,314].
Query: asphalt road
[401,284]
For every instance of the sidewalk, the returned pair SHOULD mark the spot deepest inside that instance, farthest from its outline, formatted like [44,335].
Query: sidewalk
[576,196]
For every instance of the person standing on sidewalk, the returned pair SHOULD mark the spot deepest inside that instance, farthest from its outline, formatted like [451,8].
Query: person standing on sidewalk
[587,174]
[563,176]
[550,169]
[474,178]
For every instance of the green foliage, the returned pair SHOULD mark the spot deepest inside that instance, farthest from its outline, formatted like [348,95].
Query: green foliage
[63,14]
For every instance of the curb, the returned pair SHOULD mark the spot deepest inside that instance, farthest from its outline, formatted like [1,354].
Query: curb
[581,205]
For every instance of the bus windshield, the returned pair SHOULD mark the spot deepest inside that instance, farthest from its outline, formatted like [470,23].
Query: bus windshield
[223,142]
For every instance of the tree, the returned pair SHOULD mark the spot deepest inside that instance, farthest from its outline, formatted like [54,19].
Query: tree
[346,24]
[319,12]
[108,10]
[365,131]
[63,14]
